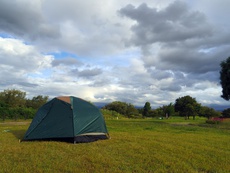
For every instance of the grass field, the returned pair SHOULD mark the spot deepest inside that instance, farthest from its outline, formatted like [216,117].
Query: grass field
[148,145]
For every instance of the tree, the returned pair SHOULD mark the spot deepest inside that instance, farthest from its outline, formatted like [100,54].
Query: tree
[187,106]
[122,108]
[13,98]
[168,110]
[132,112]
[208,112]
[14,105]
[226,113]
[158,112]
[3,110]
[225,78]
[146,109]
[36,102]
[117,106]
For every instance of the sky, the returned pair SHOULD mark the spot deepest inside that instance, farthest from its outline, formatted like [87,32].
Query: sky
[133,51]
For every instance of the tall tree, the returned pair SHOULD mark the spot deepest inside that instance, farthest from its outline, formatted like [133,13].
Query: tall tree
[146,109]
[225,78]
[187,106]
[13,97]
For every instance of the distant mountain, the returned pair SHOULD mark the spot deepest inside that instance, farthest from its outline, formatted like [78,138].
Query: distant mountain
[100,104]
[214,106]
[219,107]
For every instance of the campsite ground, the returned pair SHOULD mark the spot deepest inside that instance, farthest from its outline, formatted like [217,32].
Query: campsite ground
[147,145]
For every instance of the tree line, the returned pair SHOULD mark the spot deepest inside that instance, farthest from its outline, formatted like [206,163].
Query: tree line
[15,105]
[184,106]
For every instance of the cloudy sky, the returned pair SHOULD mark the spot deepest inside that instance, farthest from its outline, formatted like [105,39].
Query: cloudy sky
[127,50]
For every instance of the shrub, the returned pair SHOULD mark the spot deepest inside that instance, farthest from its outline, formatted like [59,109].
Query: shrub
[215,120]
[108,114]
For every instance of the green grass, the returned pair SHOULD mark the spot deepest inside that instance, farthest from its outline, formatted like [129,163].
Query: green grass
[147,145]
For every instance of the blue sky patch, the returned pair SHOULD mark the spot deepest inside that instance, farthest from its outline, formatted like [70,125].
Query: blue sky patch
[60,55]
[5,35]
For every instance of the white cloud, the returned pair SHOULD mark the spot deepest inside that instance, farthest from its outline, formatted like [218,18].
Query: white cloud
[152,51]
[14,53]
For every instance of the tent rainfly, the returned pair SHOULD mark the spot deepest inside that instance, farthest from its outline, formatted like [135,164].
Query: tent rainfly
[69,119]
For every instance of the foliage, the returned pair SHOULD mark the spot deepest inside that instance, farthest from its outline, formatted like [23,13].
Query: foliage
[168,110]
[214,120]
[208,112]
[117,106]
[132,112]
[14,105]
[146,109]
[123,108]
[225,78]
[154,113]
[108,114]
[13,98]
[146,145]
[226,113]
[158,112]
[36,101]
[187,106]
[3,113]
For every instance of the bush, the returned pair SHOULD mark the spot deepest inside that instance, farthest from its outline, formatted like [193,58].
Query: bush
[108,114]
[17,113]
[123,108]
[212,122]
[215,120]
[27,113]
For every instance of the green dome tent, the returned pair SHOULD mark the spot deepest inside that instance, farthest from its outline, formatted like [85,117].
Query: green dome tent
[67,119]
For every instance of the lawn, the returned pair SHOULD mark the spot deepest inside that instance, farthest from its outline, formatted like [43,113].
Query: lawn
[147,145]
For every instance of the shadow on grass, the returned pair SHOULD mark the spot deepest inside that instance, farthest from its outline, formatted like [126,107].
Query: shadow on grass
[19,134]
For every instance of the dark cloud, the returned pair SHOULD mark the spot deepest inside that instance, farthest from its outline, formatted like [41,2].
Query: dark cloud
[159,74]
[172,24]
[87,73]
[191,60]
[27,84]
[25,19]
[174,88]
[11,79]
[185,40]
